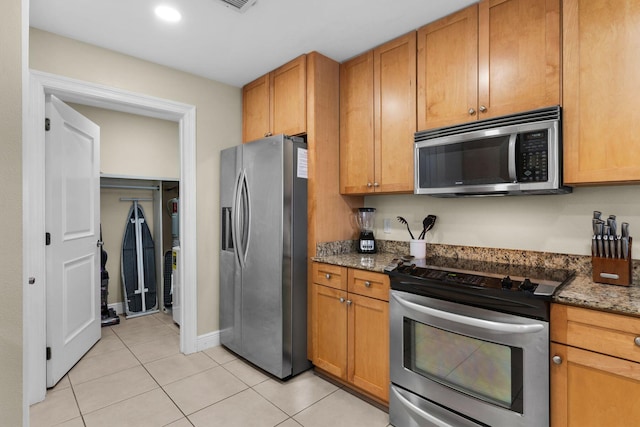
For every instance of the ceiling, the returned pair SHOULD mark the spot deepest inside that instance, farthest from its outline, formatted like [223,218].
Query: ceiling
[219,43]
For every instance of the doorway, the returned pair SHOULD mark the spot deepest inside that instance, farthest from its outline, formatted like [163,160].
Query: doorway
[79,92]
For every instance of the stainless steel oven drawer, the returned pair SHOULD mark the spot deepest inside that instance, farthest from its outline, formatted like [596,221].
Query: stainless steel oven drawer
[407,409]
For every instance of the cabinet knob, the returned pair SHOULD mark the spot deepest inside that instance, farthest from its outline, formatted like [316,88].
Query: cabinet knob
[375,184]
[328,276]
[369,184]
[472,112]
[367,284]
[557,360]
[637,341]
[482,109]
[341,300]
[268,134]
[349,302]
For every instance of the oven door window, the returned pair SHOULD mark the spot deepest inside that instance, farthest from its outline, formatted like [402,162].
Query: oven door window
[488,371]
[478,162]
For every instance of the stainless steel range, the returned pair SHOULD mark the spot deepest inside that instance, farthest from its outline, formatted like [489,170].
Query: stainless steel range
[470,343]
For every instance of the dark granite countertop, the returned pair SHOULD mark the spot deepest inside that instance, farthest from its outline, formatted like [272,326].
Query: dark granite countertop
[580,291]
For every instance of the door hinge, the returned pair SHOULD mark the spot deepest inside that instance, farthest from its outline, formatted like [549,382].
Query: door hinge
[48,353]
[47,239]
[47,124]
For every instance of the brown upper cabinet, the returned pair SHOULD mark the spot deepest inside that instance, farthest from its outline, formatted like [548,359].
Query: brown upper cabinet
[276,102]
[600,91]
[493,58]
[378,120]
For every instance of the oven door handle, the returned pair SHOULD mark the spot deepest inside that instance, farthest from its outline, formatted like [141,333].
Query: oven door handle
[511,328]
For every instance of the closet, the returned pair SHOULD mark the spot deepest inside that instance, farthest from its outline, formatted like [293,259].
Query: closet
[139,159]
[154,196]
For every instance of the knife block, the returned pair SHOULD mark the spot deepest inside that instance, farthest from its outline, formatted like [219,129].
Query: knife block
[612,271]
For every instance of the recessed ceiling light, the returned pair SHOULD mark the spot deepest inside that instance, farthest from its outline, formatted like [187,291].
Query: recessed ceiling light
[168,13]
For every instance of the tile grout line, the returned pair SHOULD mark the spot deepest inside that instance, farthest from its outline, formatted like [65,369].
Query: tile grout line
[73,390]
[157,383]
[120,401]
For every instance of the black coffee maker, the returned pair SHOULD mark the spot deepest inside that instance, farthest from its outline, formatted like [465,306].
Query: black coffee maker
[365,219]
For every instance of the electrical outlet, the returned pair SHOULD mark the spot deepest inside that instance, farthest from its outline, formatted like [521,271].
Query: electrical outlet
[387,225]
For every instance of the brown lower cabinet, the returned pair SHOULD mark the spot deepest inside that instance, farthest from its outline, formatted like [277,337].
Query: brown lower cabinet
[349,318]
[595,368]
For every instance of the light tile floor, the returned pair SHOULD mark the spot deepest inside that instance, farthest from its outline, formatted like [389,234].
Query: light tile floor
[136,376]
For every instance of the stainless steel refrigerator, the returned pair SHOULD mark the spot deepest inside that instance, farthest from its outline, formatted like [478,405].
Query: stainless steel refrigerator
[263,256]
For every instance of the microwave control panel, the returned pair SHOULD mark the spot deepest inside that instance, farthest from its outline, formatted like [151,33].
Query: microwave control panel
[532,156]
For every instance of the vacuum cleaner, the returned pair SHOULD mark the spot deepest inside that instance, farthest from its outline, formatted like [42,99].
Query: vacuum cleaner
[109,315]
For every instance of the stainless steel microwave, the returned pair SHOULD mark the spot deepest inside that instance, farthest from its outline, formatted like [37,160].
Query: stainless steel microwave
[511,155]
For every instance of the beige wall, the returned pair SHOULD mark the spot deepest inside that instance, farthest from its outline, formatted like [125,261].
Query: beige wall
[219,125]
[135,145]
[558,223]
[11,285]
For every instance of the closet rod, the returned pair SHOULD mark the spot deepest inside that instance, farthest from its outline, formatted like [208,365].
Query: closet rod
[131,187]
[134,199]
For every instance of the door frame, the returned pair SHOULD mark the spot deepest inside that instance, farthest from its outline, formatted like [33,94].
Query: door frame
[101,96]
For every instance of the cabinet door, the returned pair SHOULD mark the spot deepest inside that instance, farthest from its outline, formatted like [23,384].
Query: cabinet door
[329,330]
[369,345]
[255,109]
[448,70]
[600,90]
[394,100]
[289,97]
[356,125]
[518,56]
[592,389]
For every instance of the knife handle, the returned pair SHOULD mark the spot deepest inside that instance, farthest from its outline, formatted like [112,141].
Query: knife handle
[619,247]
[625,229]
[599,248]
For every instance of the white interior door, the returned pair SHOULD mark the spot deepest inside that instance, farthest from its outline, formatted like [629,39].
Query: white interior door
[72,217]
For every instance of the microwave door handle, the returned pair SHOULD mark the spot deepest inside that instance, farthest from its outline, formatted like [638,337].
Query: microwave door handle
[512,157]
[508,328]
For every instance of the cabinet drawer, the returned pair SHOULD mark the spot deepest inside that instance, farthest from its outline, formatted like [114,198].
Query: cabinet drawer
[329,275]
[369,284]
[606,333]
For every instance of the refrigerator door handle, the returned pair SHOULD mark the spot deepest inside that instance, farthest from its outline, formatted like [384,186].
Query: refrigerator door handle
[246,232]
[241,218]
[235,221]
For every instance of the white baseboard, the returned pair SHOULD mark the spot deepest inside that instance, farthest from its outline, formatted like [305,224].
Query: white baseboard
[203,342]
[212,339]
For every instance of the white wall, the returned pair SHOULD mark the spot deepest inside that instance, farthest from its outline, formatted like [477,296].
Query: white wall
[557,223]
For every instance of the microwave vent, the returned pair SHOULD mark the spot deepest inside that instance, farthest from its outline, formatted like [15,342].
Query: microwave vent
[534,116]
[237,5]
